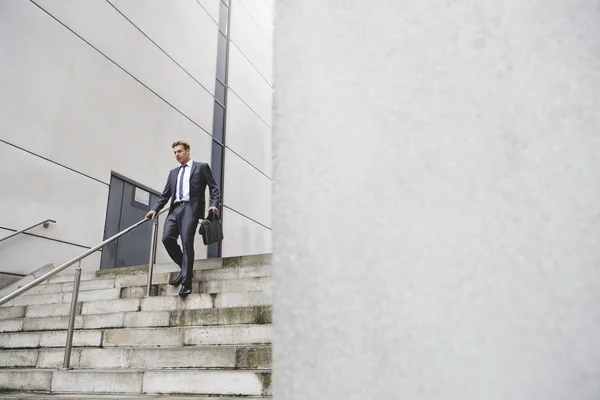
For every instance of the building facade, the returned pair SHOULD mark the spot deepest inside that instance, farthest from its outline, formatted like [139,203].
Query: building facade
[95,92]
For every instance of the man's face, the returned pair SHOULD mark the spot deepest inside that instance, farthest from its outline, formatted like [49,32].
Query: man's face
[181,155]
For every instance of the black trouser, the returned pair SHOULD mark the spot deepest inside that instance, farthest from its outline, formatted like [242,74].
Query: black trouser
[181,222]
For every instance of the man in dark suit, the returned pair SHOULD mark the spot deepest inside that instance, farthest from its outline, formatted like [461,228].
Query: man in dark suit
[185,189]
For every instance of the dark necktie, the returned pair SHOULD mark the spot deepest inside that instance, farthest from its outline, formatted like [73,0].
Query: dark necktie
[181,182]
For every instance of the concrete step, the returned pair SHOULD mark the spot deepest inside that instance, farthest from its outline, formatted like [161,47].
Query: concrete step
[64,297]
[104,289]
[131,381]
[95,284]
[189,336]
[81,338]
[93,321]
[202,300]
[26,279]
[57,293]
[234,273]
[49,310]
[116,306]
[239,279]
[174,317]
[84,308]
[170,336]
[211,286]
[164,268]
[238,357]
[66,277]
[222,316]
[64,396]
[139,277]
[211,277]
[25,379]
[253,261]
[12,312]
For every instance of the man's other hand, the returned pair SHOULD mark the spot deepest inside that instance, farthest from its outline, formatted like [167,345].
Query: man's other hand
[151,214]
[215,210]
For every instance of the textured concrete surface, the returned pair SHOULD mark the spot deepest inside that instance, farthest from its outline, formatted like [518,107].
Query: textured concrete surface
[7,279]
[437,199]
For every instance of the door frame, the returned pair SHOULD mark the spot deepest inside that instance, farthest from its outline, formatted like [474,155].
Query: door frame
[134,183]
[131,182]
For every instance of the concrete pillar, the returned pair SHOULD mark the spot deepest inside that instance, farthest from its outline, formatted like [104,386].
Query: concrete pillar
[437,200]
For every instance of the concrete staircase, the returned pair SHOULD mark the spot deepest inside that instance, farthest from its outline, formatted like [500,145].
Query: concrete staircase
[216,342]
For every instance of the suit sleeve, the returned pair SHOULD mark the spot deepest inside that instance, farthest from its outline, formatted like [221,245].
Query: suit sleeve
[215,193]
[164,197]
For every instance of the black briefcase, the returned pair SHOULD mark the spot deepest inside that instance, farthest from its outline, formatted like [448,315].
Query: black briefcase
[211,229]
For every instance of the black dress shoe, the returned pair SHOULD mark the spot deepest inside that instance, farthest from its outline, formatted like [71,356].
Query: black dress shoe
[184,291]
[177,281]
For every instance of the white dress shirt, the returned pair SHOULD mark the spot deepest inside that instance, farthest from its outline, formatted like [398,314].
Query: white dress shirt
[186,182]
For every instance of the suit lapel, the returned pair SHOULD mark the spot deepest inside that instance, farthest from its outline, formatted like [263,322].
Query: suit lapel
[194,165]
[174,182]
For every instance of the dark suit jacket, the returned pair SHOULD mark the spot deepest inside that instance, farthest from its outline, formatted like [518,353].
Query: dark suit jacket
[201,176]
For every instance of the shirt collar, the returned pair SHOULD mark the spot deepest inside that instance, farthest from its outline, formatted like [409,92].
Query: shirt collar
[189,163]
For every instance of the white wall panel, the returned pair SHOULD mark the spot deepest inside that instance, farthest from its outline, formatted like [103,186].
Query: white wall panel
[211,7]
[243,236]
[183,29]
[97,22]
[249,85]
[262,12]
[248,135]
[246,34]
[35,189]
[246,189]
[26,253]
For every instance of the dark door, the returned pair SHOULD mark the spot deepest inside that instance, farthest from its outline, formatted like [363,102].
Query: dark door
[128,203]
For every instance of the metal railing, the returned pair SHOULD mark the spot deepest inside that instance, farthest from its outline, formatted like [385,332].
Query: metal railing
[77,278]
[45,222]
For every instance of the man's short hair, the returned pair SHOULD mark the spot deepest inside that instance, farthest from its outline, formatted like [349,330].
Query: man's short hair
[186,145]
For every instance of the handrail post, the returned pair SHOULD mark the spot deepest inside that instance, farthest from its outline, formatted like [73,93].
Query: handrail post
[72,313]
[152,254]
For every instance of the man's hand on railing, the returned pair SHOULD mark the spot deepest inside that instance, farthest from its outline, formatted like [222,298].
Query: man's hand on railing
[151,214]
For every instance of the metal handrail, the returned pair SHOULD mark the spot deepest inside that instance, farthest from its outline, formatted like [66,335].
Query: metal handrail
[45,222]
[77,277]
